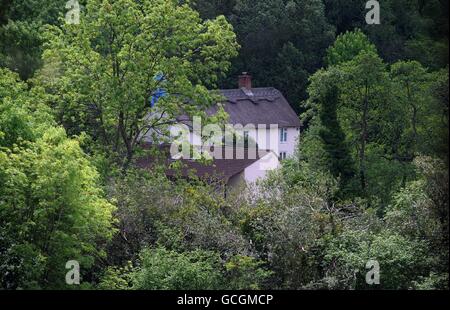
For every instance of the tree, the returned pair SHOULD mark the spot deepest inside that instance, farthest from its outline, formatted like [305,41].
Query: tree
[284,217]
[210,9]
[345,15]
[20,33]
[123,52]
[168,270]
[290,74]
[373,111]
[21,47]
[347,46]
[435,126]
[412,79]
[400,259]
[415,211]
[52,208]
[281,40]
[325,97]
[181,216]
[363,94]
[415,30]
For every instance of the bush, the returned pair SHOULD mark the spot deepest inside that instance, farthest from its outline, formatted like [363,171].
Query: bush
[161,269]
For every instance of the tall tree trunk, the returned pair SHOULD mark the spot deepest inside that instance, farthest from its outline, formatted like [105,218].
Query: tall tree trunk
[126,141]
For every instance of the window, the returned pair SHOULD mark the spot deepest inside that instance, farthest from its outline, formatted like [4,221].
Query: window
[283,135]
[283,155]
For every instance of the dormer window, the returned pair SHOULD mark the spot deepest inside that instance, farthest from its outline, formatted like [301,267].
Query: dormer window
[283,135]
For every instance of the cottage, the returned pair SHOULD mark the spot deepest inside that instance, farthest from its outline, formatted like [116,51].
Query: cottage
[262,115]
[253,109]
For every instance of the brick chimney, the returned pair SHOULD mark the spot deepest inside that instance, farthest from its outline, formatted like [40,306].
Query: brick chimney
[245,81]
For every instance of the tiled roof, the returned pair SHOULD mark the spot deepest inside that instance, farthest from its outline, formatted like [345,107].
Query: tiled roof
[221,169]
[259,106]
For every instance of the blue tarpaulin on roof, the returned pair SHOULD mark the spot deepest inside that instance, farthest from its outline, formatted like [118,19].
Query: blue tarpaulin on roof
[160,92]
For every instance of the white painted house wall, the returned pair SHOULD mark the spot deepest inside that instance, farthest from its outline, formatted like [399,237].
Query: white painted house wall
[272,140]
[289,147]
[254,173]
[258,170]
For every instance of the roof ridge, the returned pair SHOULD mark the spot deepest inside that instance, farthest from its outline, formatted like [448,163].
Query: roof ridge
[266,106]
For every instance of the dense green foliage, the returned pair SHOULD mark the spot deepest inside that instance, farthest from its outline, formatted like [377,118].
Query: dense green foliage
[105,68]
[388,114]
[284,41]
[369,180]
[51,206]
[21,26]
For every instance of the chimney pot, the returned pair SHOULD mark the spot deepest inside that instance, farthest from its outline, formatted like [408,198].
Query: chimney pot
[245,81]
